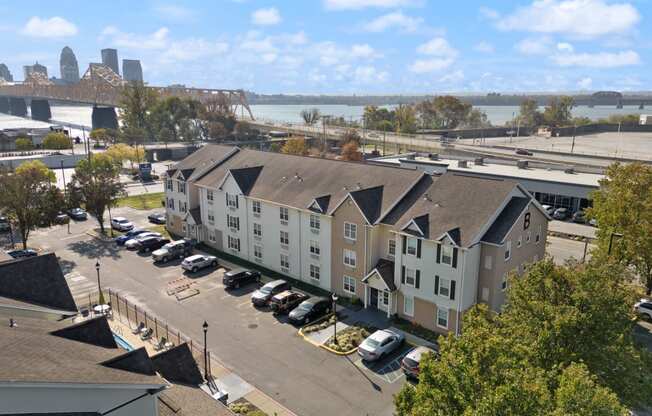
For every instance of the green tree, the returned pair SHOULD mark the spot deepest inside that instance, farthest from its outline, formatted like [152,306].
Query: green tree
[24,195]
[135,108]
[623,206]
[99,184]
[217,110]
[476,119]
[310,116]
[24,143]
[295,146]
[57,141]
[99,135]
[529,114]
[406,119]
[558,111]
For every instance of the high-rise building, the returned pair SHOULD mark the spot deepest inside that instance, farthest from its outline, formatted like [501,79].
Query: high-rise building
[131,70]
[29,69]
[5,73]
[68,66]
[110,59]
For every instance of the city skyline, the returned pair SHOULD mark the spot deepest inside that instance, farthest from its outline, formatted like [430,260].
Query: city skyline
[351,46]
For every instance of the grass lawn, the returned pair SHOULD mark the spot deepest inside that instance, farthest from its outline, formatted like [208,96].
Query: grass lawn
[143,201]
[160,229]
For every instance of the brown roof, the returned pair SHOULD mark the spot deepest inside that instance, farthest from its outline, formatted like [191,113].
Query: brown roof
[182,400]
[452,203]
[297,180]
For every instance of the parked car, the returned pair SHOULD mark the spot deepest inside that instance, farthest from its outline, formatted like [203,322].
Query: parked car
[410,363]
[4,224]
[156,218]
[560,214]
[579,217]
[262,296]
[173,250]
[133,243]
[17,254]
[644,308]
[197,262]
[151,243]
[549,209]
[286,301]
[61,218]
[524,152]
[121,224]
[593,222]
[238,277]
[309,310]
[77,214]
[379,344]
[121,240]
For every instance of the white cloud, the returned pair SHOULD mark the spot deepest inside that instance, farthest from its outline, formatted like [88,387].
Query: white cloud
[364,51]
[54,27]
[175,12]
[154,40]
[266,17]
[437,47]
[565,47]
[453,77]
[369,74]
[363,4]
[489,13]
[443,56]
[585,83]
[193,49]
[587,18]
[534,46]
[393,20]
[484,47]
[422,66]
[597,60]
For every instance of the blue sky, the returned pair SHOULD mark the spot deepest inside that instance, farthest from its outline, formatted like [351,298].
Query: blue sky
[347,46]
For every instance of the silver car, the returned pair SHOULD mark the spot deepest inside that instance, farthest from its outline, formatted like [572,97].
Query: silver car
[121,224]
[135,242]
[198,261]
[379,344]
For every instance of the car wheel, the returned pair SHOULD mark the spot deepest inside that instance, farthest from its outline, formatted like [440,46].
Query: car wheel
[306,321]
[165,259]
[146,249]
[214,263]
[194,269]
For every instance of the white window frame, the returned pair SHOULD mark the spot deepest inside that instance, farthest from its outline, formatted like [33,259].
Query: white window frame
[437,318]
[315,222]
[348,284]
[528,237]
[384,298]
[211,237]
[233,243]
[233,222]
[181,187]
[315,271]
[446,288]
[209,195]
[284,238]
[537,237]
[169,185]
[410,274]
[519,242]
[171,203]
[314,248]
[285,261]
[258,251]
[508,250]
[258,229]
[231,200]
[409,312]
[411,246]
[503,282]
[444,250]
[255,207]
[211,217]
[350,258]
[284,214]
[350,231]
[391,247]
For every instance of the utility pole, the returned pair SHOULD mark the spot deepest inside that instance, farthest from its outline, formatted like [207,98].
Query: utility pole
[574,133]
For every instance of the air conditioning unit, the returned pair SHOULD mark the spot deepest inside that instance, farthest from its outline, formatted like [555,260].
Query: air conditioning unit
[479,161]
[462,164]
[522,164]
[570,170]
[433,156]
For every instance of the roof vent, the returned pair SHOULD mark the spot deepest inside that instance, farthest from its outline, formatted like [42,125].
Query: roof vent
[358,186]
[433,156]
[284,178]
[570,171]
[522,164]
[462,164]
[479,161]
[426,197]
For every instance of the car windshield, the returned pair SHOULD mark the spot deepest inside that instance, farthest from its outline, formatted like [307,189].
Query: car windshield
[122,221]
[410,362]
[372,343]
[266,290]
[306,306]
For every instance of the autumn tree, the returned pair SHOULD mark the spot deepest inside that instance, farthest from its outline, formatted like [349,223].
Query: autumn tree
[99,135]
[57,141]
[24,143]
[622,207]
[295,146]
[24,195]
[406,119]
[351,152]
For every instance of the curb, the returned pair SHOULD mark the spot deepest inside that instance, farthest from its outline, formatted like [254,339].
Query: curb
[305,338]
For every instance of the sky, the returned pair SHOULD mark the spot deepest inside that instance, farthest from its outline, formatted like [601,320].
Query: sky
[347,46]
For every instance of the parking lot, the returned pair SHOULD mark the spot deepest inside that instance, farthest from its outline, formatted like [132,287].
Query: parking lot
[263,349]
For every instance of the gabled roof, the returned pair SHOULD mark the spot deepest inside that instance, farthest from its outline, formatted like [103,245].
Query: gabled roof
[178,365]
[385,270]
[38,281]
[369,201]
[498,231]
[186,173]
[136,361]
[195,213]
[202,161]
[418,226]
[321,203]
[246,177]
[94,331]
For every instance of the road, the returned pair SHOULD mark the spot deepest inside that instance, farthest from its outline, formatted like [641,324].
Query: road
[563,249]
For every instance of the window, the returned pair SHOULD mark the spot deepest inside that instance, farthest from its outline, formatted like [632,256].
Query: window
[231,200]
[233,222]
[519,242]
[410,278]
[408,305]
[285,238]
[503,282]
[284,214]
[508,250]
[349,258]
[211,217]
[234,243]
[314,247]
[285,261]
[209,195]
[385,298]
[314,222]
[183,206]
[537,237]
[314,271]
[211,237]
[442,318]
[255,207]
[349,285]
[412,246]
[528,237]
[171,203]
[447,255]
[258,252]
[488,262]
[350,231]
[444,287]
[181,187]
[169,185]
[391,248]
[258,230]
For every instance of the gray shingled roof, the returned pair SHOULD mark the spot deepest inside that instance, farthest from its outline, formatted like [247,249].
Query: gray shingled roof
[499,229]
[38,281]
[369,200]
[137,361]
[202,160]
[178,365]
[182,400]
[95,331]
[385,270]
[246,177]
[195,213]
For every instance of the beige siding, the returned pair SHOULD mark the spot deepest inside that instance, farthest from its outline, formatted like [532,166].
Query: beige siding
[425,315]
[174,224]
[347,212]
[490,280]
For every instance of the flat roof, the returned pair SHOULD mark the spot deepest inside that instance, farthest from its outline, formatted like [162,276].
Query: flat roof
[503,170]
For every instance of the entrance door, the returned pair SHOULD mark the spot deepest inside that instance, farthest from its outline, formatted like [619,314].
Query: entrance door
[373,298]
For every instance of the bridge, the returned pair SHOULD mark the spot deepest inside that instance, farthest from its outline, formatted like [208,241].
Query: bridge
[103,89]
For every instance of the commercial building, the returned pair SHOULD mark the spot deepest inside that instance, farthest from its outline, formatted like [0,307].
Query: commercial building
[5,73]
[29,69]
[420,246]
[68,66]
[551,185]
[132,70]
[110,59]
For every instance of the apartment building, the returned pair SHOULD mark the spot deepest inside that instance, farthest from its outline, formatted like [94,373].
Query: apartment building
[423,247]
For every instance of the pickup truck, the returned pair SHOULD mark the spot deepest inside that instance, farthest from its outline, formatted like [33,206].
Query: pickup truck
[172,250]
[285,301]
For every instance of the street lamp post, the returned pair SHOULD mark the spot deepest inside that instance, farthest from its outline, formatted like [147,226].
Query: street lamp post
[99,286]
[334,297]
[205,327]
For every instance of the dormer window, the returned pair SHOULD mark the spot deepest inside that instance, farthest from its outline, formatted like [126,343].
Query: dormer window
[181,187]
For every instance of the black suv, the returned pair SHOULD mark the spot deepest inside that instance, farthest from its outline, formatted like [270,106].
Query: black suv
[309,310]
[238,277]
[151,243]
